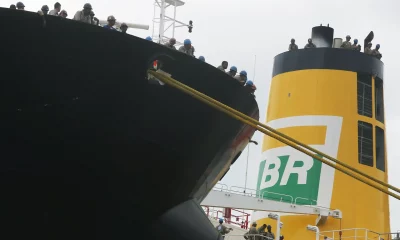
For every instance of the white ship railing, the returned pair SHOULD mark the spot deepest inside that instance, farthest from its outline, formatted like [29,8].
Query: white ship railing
[350,234]
[263,194]
[230,236]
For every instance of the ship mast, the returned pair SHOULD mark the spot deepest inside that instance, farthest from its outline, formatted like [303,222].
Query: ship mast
[165,22]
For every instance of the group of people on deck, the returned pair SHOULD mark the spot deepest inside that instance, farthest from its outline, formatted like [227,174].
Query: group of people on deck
[86,15]
[262,233]
[345,45]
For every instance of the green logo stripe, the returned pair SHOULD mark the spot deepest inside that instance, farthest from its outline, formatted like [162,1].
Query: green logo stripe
[298,178]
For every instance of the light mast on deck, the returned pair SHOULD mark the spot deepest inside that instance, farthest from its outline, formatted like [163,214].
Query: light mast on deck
[165,22]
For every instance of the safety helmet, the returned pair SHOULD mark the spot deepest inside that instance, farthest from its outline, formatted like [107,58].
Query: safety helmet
[45,8]
[348,36]
[149,38]
[87,6]
[378,45]
[221,220]
[111,18]
[309,40]
[12,6]
[187,42]
[233,69]
[292,40]
[124,25]
[355,41]
[20,5]
[201,58]
[244,73]
[249,83]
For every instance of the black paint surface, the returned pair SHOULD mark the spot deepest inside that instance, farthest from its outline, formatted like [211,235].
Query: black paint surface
[91,150]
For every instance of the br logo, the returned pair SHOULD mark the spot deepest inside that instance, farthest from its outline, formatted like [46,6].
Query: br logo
[285,174]
[288,175]
[279,169]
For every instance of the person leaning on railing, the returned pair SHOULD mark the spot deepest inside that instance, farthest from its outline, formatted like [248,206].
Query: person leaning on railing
[56,10]
[84,15]
[253,233]
[269,234]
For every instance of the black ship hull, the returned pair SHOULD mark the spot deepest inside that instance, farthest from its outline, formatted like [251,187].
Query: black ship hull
[92,150]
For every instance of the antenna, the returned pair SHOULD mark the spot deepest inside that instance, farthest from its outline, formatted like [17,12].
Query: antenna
[254,70]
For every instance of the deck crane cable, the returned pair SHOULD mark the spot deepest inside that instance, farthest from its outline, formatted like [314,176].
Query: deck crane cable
[275,134]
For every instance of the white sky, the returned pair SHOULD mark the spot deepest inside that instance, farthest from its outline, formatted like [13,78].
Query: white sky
[236,30]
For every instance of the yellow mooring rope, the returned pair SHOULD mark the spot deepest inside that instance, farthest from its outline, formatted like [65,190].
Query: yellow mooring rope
[276,134]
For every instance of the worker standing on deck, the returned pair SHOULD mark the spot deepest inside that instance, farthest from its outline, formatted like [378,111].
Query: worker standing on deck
[84,15]
[171,43]
[261,230]
[356,46]
[242,78]
[367,49]
[253,233]
[292,45]
[269,234]
[20,6]
[111,22]
[376,52]
[56,10]
[45,10]
[187,48]
[310,44]
[223,66]
[91,14]
[123,27]
[232,72]
[63,14]
[94,19]
[222,229]
[346,44]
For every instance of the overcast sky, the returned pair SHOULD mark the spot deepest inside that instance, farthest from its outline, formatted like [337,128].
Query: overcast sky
[236,30]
